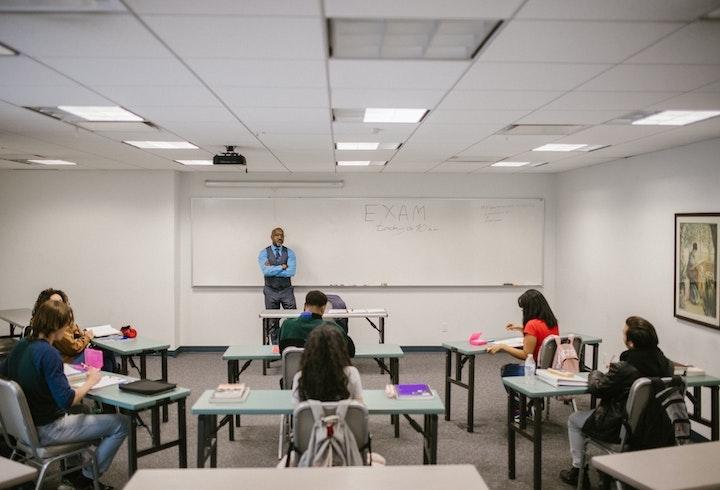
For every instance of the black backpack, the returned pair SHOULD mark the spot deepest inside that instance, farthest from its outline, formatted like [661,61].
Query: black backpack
[665,421]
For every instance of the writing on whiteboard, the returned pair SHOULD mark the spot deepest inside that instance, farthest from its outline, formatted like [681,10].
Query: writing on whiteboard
[398,218]
[495,213]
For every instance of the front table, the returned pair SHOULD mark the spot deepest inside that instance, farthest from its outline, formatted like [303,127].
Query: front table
[279,402]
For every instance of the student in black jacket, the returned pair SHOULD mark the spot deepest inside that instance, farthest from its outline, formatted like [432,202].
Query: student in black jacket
[642,359]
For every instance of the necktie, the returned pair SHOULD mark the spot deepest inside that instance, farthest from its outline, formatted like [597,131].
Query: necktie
[277,253]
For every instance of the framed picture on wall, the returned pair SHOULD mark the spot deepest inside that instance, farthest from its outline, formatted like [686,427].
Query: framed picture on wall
[696,268]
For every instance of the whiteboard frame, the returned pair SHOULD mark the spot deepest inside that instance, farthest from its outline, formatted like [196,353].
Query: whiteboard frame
[541,200]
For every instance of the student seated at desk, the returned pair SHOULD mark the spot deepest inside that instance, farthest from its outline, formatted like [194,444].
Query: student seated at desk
[37,367]
[72,345]
[538,322]
[643,358]
[295,331]
[326,373]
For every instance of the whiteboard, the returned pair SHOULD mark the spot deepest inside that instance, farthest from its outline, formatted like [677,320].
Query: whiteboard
[371,241]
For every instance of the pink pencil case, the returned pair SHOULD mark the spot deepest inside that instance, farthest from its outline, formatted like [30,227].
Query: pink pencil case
[93,357]
[476,339]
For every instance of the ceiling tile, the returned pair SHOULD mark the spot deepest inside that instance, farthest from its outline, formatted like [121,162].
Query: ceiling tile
[281,8]
[241,97]
[672,78]
[503,145]
[528,76]
[158,95]
[302,142]
[395,74]
[124,71]
[387,132]
[430,9]
[260,73]
[168,114]
[80,36]
[205,36]
[459,167]
[695,101]
[612,134]
[655,10]
[574,42]
[21,70]
[497,100]
[213,133]
[373,156]
[545,116]
[365,97]
[50,96]
[594,101]
[698,42]
[441,116]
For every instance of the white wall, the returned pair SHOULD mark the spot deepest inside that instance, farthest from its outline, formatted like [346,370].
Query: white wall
[106,238]
[615,246]
[418,316]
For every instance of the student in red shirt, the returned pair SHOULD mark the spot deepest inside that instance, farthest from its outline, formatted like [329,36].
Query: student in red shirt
[538,322]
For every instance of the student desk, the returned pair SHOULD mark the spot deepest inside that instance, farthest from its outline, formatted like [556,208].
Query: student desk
[670,468]
[249,353]
[533,387]
[13,473]
[713,384]
[131,404]
[279,402]
[139,346]
[345,477]
[465,352]
[18,318]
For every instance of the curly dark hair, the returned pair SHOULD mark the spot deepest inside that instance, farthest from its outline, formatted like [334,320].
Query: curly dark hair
[535,306]
[322,364]
[45,295]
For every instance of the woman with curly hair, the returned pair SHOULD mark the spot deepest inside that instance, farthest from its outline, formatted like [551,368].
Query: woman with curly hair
[75,340]
[326,373]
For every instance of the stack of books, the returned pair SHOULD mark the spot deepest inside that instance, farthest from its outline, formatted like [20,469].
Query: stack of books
[556,377]
[230,393]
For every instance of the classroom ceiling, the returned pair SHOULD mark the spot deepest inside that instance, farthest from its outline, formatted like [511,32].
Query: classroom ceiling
[257,74]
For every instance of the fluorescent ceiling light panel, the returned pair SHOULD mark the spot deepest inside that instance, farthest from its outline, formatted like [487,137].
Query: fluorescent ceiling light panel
[382,115]
[52,162]
[425,39]
[101,113]
[359,163]
[162,145]
[195,162]
[509,164]
[676,118]
[558,147]
[356,146]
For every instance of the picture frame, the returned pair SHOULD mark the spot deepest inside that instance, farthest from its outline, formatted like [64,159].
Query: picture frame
[697,268]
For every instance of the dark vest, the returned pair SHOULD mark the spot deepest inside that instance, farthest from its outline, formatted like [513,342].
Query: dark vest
[275,282]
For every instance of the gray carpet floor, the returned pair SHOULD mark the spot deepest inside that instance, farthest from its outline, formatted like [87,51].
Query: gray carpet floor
[256,440]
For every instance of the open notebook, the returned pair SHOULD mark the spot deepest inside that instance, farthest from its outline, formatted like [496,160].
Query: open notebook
[104,331]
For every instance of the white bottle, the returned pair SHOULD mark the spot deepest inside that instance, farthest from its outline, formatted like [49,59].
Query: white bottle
[529,365]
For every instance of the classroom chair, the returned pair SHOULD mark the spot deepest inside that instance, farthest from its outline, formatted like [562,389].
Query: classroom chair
[546,355]
[640,394]
[17,422]
[290,366]
[356,419]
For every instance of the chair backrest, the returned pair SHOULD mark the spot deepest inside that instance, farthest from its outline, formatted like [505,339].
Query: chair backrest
[640,393]
[16,417]
[356,419]
[290,365]
[549,347]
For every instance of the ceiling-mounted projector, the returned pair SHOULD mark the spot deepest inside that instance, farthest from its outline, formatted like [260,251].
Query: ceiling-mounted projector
[230,157]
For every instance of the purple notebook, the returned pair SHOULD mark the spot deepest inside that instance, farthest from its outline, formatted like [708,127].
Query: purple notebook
[413,391]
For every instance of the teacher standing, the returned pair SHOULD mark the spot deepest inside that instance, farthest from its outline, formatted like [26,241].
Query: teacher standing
[277,264]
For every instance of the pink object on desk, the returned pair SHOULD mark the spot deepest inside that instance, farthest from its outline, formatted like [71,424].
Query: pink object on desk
[94,358]
[476,339]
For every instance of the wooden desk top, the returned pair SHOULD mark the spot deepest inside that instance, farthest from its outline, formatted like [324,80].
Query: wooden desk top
[672,468]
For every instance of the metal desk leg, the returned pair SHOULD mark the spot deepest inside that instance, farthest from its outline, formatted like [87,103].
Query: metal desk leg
[593,398]
[213,447]
[233,376]
[143,366]
[132,444]
[714,406]
[430,441]
[537,447]
[395,379]
[182,434]
[124,365]
[164,377]
[382,330]
[201,440]
[155,424]
[511,435]
[448,370]
[265,341]
[471,395]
